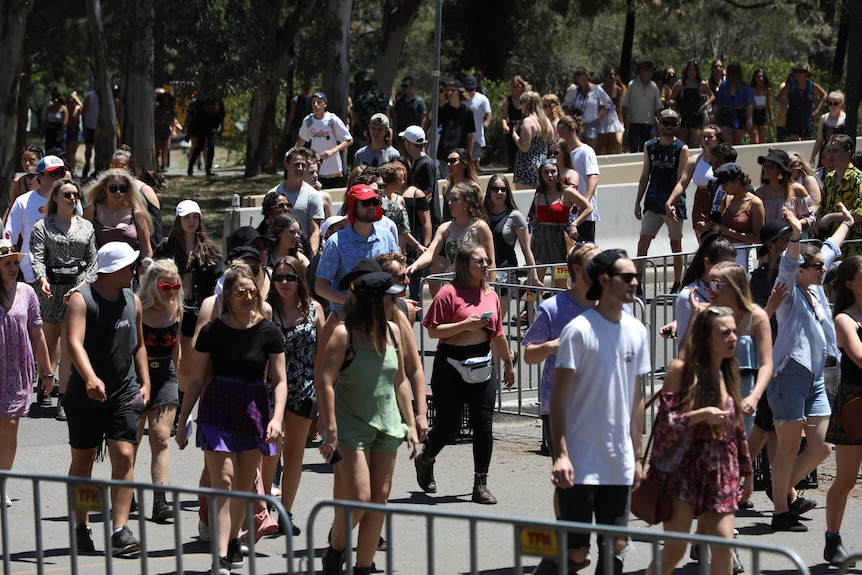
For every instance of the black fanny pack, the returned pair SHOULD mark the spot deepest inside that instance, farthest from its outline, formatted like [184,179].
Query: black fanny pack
[62,275]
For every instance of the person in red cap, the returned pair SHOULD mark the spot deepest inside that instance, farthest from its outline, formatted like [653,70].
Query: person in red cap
[361,239]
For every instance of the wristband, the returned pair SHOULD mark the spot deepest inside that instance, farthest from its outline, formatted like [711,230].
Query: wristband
[796,241]
[849,225]
[47,376]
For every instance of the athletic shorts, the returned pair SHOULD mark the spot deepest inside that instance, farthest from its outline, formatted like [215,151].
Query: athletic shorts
[87,428]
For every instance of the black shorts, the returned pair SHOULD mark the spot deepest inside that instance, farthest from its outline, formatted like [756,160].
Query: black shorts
[190,321]
[89,136]
[88,428]
[763,417]
[760,117]
[164,388]
[609,504]
[692,121]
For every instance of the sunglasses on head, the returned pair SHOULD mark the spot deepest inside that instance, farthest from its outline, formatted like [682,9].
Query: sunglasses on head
[116,166]
[246,292]
[287,278]
[168,287]
[6,250]
[372,202]
[550,161]
[70,195]
[122,188]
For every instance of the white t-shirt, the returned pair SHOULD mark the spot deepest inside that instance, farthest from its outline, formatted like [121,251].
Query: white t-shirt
[28,209]
[307,204]
[324,134]
[607,358]
[480,106]
[586,164]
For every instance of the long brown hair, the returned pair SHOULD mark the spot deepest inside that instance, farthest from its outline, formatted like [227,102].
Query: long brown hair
[843,295]
[302,292]
[463,263]
[700,388]
[51,206]
[368,315]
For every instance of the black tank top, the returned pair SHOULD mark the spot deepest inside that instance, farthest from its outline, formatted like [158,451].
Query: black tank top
[160,341]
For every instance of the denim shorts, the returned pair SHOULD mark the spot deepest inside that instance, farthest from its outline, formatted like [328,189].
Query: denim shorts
[795,394]
[591,130]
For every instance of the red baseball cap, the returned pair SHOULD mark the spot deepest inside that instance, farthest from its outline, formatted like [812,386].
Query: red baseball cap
[361,192]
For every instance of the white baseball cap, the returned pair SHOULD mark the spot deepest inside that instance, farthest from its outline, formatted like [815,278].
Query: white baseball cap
[114,256]
[186,207]
[414,135]
[329,222]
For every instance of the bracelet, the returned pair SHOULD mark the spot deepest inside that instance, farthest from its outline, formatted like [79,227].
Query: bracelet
[849,225]
[47,376]
[796,241]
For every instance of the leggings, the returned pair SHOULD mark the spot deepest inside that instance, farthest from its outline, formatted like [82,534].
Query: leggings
[450,394]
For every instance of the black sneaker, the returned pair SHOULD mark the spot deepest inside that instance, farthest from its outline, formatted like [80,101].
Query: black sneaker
[124,544]
[382,544]
[84,535]
[234,554]
[787,521]
[802,505]
[223,566]
[425,473]
[674,288]
[133,508]
[283,527]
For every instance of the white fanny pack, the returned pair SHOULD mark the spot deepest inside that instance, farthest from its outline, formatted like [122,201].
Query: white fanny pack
[473,369]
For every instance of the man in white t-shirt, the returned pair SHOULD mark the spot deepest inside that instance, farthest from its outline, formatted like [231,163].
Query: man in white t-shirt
[481,108]
[597,408]
[29,208]
[328,136]
[306,201]
[587,166]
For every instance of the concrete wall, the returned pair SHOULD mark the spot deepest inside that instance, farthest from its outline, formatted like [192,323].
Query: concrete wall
[617,191]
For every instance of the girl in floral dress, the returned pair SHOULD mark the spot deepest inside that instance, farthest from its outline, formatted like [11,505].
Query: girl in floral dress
[699,445]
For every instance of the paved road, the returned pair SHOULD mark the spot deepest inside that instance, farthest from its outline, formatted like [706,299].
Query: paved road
[519,478]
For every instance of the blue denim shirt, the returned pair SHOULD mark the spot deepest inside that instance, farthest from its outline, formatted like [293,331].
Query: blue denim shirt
[805,332]
[345,248]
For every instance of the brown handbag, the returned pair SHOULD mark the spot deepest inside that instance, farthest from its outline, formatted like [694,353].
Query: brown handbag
[851,418]
[651,500]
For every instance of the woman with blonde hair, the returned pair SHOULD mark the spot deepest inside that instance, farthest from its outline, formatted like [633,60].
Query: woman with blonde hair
[118,211]
[532,141]
[553,109]
[802,172]
[63,255]
[832,122]
[122,159]
[611,127]
[235,422]
[161,294]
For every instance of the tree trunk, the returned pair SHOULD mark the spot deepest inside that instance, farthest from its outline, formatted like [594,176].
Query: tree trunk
[13,25]
[336,78]
[398,16]
[261,127]
[139,129]
[841,44]
[854,71]
[106,131]
[628,43]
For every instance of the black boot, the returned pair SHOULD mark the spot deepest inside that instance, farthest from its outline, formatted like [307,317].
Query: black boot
[161,510]
[425,473]
[480,490]
[834,552]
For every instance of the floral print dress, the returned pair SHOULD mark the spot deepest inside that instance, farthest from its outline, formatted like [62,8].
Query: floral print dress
[704,464]
[300,347]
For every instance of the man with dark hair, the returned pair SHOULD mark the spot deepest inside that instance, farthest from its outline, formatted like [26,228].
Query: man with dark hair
[306,203]
[409,110]
[597,409]
[664,160]
[844,185]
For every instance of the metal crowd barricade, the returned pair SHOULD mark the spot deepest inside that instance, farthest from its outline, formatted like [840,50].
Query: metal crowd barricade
[529,537]
[93,495]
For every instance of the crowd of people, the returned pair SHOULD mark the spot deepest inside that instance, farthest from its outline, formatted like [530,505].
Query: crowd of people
[139,330]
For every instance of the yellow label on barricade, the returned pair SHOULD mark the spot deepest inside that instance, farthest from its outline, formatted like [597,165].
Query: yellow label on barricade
[531,296]
[88,498]
[538,542]
[561,271]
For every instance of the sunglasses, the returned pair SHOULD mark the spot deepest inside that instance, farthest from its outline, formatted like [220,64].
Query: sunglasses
[498,189]
[627,277]
[115,166]
[168,287]
[70,195]
[6,250]
[122,188]
[715,285]
[246,293]
[818,266]
[670,124]
[58,173]
[550,161]
[554,152]
[451,161]
[372,202]
[402,277]
[834,103]
[482,261]
[282,207]
[287,278]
